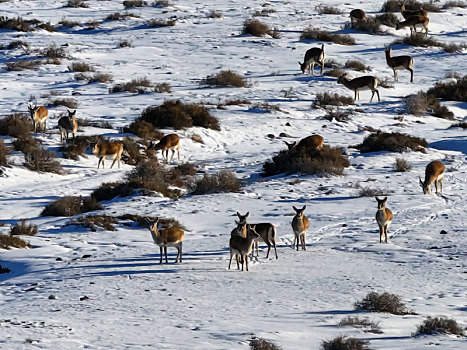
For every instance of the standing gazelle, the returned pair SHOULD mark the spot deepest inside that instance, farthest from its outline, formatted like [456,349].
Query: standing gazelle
[300,226]
[413,22]
[383,218]
[312,56]
[103,149]
[39,116]
[169,237]
[366,82]
[266,231]
[357,16]
[67,124]
[168,142]
[434,172]
[409,13]
[399,62]
[241,246]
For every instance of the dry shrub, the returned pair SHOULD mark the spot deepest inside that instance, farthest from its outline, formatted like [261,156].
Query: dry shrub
[41,160]
[181,174]
[234,102]
[336,114]
[93,221]
[393,142]
[77,146]
[26,144]
[23,64]
[159,23]
[70,206]
[215,14]
[418,39]
[100,78]
[437,325]
[401,165]
[125,43]
[451,91]
[139,85]
[395,5]
[431,7]
[47,26]
[225,78]
[70,103]
[262,344]
[134,3]
[144,130]
[462,125]
[388,19]
[178,115]
[17,24]
[258,28]
[383,302]
[370,192]
[7,242]
[81,67]
[334,72]
[21,228]
[343,342]
[332,99]
[17,43]
[316,34]
[454,48]
[117,16]
[357,65]
[68,24]
[3,154]
[110,190]
[55,51]
[370,25]
[4,269]
[264,107]
[16,125]
[161,3]
[328,10]
[76,4]
[385,82]
[150,176]
[362,323]
[422,102]
[134,156]
[450,4]
[327,160]
[220,182]
[162,87]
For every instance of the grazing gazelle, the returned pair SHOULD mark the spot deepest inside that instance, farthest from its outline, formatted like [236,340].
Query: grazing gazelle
[266,231]
[241,247]
[300,226]
[39,116]
[308,144]
[168,142]
[383,218]
[434,172]
[399,62]
[366,82]
[413,22]
[67,124]
[357,16]
[104,149]
[409,13]
[312,56]
[169,237]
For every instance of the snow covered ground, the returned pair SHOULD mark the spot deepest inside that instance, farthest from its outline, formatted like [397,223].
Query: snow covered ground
[295,301]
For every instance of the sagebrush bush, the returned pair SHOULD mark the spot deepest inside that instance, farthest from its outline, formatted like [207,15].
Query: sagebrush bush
[332,99]
[262,344]
[19,65]
[454,48]
[18,24]
[343,342]
[81,67]
[76,4]
[395,5]
[328,10]
[133,155]
[17,43]
[162,87]
[105,222]
[110,190]
[70,103]
[150,176]
[117,16]
[159,23]
[327,160]
[100,78]
[451,91]
[26,144]
[8,241]
[422,102]
[383,302]
[450,4]
[393,142]
[70,206]
[220,182]
[316,34]
[142,222]
[462,125]
[21,228]
[125,43]
[357,65]
[436,325]
[363,323]
[256,28]
[264,107]
[139,85]
[334,72]
[336,114]
[144,130]
[388,19]
[370,192]
[16,125]
[370,25]
[215,14]
[55,51]
[68,24]
[134,3]
[3,154]
[418,39]
[77,146]
[178,115]
[264,12]
[401,165]
[225,78]
[42,160]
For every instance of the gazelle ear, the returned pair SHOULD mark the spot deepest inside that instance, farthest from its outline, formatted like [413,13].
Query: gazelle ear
[421,182]
[237,222]
[293,206]
[304,207]
[247,215]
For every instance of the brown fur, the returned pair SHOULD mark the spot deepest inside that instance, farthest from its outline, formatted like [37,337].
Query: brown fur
[313,56]
[357,16]
[240,246]
[414,21]
[39,116]
[168,142]
[300,226]
[67,125]
[361,83]
[309,144]
[399,62]
[170,237]
[107,148]
[409,13]
[383,218]
[434,172]
[266,231]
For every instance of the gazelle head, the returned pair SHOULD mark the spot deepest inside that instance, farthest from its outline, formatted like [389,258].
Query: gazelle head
[381,202]
[299,211]
[303,66]
[342,78]
[152,225]
[251,231]
[71,114]
[290,146]
[32,109]
[242,218]
[425,186]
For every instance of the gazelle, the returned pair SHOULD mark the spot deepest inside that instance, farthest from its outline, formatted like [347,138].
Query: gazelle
[366,82]
[266,231]
[169,237]
[39,116]
[300,227]
[357,16]
[241,247]
[383,218]
[409,13]
[103,149]
[67,124]
[309,143]
[312,56]
[413,22]
[168,142]
[434,172]
[399,62]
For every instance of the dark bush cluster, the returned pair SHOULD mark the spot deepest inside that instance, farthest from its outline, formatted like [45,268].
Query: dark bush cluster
[18,65]
[371,25]
[455,3]
[343,342]
[258,28]
[422,102]
[362,323]
[321,35]
[388,19]
[220,182]
[3,153]
[76,4]
[70,206]
[451,91]
[139,85]
[81,67]
[21,228]
[18,24]
[328,10]
[8,241]
[118,16]
[55,51]
[178,115]
[70,103]
[336,114]
[383,302]
[225,78]
[134,3]
[437,325]
[42,160]
[133,154]
[395,5]
[4,270]
[92,222]
[159,23]
[26,144]
[16,125]
[144,130]
[77,146]
[332,99]
[357,65]
[393,142]
[327,160]
[262,344]
[110,190]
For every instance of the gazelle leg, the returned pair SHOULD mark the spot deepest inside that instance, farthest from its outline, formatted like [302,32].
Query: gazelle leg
[441,185]
[275,250]
[230,260]
[411,75]
[165,253]
[269,249]
[115,159]
[355,98]
[313,68]
[173,154]
[246,261]
[181,251]
[162,252]
[372,94]
[436,185]
[386,233]
[178,151]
